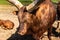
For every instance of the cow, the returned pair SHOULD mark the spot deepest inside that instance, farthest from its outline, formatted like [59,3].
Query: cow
[36,18]
[7,24]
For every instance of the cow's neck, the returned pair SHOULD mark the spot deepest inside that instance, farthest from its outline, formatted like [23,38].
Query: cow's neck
[42,9]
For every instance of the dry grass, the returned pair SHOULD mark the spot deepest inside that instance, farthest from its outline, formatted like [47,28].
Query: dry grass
[7,8]
[6,14]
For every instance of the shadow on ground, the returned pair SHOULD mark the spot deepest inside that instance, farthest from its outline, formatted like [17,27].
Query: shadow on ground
[19,37]
[16,36]
[56,34]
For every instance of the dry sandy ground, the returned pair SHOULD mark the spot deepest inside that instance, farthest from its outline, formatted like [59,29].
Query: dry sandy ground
[6,14]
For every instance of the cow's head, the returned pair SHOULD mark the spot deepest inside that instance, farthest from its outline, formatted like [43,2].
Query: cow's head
[26,18]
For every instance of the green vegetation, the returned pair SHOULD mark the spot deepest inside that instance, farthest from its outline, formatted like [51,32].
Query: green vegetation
[25,2]
[55,1]
[3,2]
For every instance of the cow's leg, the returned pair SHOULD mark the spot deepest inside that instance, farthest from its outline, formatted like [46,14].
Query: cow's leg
[49,32]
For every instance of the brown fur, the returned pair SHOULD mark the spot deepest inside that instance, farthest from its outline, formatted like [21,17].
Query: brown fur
[39,22]
[7,24]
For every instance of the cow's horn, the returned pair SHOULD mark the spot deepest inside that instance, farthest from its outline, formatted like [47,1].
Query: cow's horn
[16,3]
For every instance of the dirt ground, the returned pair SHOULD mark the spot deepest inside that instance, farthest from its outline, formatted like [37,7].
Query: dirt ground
[6,14]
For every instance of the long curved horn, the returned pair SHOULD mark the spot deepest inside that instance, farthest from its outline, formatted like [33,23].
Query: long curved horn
[16,3]
[33,5]
[30,7]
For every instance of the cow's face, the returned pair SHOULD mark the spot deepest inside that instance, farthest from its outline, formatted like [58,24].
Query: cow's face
[25,22]
[25,25]
[23,29]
